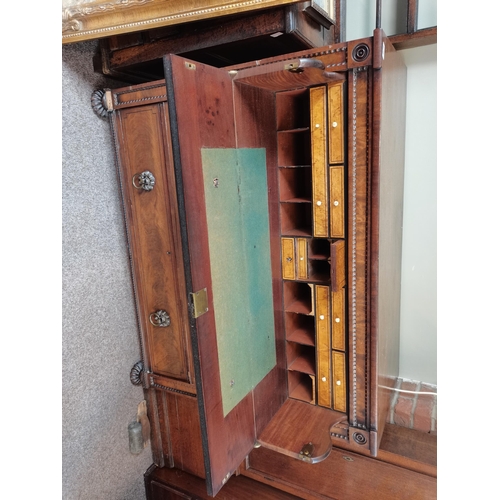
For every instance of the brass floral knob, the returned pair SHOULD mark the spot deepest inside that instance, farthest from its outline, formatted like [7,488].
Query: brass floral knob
[160,318]
[145,181]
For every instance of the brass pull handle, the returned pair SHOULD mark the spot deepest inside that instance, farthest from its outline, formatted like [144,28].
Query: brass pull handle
[160,318]
[309,62]
[298,66]
[145,181]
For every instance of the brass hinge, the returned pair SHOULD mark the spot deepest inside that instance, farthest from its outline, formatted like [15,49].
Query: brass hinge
[200,302]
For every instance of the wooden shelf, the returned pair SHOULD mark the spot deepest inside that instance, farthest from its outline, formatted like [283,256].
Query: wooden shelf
[302,336]
[297,297]
[296,219]
[301,358]
[300,328]
[319,270]
[303,365]
[292,109]
[295,185]
[300,387]
[299,307]
[297,200]
[293,130]
[294,147]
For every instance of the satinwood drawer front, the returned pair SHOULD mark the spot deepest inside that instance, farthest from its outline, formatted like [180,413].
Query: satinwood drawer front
[337,224]
[336,123]
[288,258]
[323,346]
[339,387]
[302,259]
[319,163]
[338,320]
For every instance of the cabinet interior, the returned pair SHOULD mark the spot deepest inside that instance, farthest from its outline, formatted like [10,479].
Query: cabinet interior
[306,260]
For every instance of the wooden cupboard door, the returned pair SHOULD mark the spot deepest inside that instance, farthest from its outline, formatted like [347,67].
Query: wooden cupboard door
[337,222]
[202,118]
[288,258]
[319,162]
[336,122]
[323,346]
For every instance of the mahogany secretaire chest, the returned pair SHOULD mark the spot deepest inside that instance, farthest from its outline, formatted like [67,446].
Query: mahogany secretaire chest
[263,206]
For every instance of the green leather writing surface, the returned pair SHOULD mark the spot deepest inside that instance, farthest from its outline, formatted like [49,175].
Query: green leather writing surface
[235,182]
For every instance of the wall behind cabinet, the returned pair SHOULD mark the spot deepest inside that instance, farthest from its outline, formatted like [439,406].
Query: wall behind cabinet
[418,354]
[418,347]
[99,331]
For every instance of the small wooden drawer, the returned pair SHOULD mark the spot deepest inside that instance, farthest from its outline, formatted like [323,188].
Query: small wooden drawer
[338,265]
[338,320]
[288,258]
[337,225]
[301,259]
[336,122]
[319,162]
[339,387]
[323,346]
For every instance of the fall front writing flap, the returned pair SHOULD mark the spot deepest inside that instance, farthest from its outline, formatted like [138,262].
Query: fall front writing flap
[240,263]
[226,248]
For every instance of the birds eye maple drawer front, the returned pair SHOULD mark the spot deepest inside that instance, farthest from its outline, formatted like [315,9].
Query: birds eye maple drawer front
[267,303]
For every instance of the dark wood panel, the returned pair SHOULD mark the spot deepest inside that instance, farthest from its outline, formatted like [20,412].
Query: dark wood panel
[342,476]
[409,448]
[201,36]
[184,421]
[147,93]
[221,41]
[172,484]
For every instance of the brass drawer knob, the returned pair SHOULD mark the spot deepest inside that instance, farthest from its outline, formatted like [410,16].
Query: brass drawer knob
[160,318]
[145,181]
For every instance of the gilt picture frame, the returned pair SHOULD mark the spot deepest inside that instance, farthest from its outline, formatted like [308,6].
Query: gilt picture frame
[91,19]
